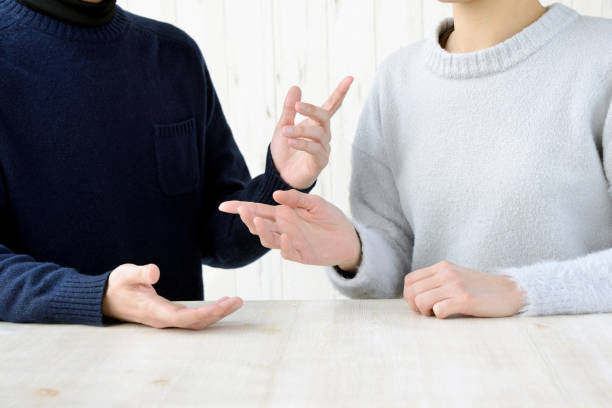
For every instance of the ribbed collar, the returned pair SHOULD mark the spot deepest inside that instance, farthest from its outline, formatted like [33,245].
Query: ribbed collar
[501,56]
[77,12]
[26,16]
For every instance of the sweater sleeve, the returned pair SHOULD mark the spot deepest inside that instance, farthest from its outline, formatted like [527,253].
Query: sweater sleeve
[385,234]
[226,241]
[41,292]
[581,285]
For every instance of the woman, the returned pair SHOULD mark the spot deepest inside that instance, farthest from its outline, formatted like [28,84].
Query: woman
[481,164]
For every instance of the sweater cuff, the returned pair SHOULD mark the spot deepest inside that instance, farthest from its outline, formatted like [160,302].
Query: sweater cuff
[79,299]
[273,182]
[365,283]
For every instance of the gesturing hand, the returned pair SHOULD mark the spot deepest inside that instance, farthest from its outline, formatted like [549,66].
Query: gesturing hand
[130,297]
[445,289]
[300,152]
[305,227]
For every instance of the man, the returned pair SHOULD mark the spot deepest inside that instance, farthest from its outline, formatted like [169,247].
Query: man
[114,152]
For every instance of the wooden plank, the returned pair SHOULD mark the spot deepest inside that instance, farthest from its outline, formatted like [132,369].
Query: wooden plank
[606,9]
[161,10]
[398,23]
[433,13]
[588,7]
[301,58]
[324,353]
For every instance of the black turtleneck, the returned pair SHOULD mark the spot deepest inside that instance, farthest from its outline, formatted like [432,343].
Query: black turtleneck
[76,12]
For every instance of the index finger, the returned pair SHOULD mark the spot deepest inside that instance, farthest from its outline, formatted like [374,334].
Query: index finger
[420,274]
[261,210]
[335,100]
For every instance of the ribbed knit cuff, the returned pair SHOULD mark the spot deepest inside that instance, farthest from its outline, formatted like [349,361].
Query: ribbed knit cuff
[273,182]
[79,299]
[368,281]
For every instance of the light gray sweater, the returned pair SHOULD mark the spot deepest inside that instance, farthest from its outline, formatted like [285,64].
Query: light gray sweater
[497,160]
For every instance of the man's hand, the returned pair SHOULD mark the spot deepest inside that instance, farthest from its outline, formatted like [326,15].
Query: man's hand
[305,227]
[445,289]
[300,152]
[130,297]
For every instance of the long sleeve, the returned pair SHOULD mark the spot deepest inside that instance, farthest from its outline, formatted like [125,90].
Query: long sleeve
[581,285]
[39,292]
[226,242]
[385,234]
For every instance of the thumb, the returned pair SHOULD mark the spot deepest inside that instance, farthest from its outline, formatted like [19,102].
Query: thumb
[296,199]
[288,116]
[147,275]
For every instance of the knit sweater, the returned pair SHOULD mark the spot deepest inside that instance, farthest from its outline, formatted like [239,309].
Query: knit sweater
[113,149]
[497,160]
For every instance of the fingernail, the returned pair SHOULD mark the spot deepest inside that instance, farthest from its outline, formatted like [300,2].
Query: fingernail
[293,142]
[289,131]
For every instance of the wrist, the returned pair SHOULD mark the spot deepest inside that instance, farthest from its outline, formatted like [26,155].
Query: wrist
[351,264]
[516,296]
[283,181]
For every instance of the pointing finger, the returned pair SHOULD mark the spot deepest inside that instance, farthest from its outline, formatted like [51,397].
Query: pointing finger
[257,209]
[315,113]
[337,97]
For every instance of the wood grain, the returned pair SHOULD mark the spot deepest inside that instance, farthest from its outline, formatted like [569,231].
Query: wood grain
[314,354]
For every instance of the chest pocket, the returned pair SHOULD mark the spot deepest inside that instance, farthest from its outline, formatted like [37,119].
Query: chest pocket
[176,151]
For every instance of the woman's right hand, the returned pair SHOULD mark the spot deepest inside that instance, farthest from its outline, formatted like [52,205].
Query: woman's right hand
[306,228]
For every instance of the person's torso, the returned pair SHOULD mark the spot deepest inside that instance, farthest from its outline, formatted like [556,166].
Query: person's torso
[506,169]
[101,150]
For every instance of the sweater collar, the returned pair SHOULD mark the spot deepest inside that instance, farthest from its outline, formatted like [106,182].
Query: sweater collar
[501,56]
[76,12]
[42,22]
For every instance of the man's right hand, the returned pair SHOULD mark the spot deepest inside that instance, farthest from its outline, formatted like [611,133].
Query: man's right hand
[130,297]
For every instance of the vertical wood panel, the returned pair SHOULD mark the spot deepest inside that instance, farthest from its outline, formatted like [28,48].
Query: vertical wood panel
[398,23]
[433,13]
[300,55]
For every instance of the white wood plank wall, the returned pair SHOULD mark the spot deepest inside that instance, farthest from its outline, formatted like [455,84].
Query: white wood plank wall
[257,49]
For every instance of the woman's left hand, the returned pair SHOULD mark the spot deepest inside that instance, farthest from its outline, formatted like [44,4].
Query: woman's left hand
[445,289]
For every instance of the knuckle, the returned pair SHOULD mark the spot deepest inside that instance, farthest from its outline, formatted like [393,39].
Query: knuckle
[316,199]
[264,242]
[284,212]
[444,265]
[419,302]
[458,286]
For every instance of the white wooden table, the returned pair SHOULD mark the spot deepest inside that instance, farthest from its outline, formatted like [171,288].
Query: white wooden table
[314,353]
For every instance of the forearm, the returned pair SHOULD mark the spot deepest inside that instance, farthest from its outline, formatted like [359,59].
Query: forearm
[581,285]
[38,292]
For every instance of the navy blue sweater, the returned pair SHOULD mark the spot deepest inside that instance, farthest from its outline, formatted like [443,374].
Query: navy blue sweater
[113,149]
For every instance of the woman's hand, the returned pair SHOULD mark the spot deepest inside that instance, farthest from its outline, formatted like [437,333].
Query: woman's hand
[445,289]
[305,227]
[300,152]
